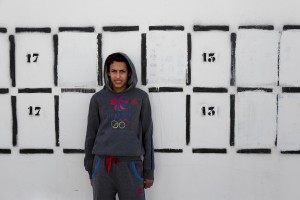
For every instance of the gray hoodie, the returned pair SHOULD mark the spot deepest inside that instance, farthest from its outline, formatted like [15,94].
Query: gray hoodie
[120,124]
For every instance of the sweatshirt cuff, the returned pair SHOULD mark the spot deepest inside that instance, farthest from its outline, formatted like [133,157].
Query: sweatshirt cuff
[149,174]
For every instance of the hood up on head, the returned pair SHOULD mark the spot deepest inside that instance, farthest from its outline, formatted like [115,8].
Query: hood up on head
[132,80]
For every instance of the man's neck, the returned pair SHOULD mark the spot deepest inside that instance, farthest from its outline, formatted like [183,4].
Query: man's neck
[119,90]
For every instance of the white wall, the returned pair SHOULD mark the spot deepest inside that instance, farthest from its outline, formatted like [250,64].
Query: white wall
[266,121]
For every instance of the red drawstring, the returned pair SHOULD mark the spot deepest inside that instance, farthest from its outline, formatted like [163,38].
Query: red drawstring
[109,161]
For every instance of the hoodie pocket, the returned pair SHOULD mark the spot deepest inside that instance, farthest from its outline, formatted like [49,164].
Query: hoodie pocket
[137,169]
[118,143]
[96,168]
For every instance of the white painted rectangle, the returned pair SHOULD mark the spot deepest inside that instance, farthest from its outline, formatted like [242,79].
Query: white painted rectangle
[168,113]
[72,133]
[126,42]
[77,59]
[215,71]
[4,62]
[210,128]
[166,58]
[257,57]
[36,131]
[289,58]
[68,185]
[255,120]
[37,48]
[6,121]
[289,122]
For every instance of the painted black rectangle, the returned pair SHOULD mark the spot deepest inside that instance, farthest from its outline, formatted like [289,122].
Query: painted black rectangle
[120,28]
[291,89]
[14,120]
[166,28]
[144,59]
[209,150]
[12,60]
[210,90]
[188,119]
[277,102]
[99,43]
[79,90]
[56,109]
[290,152]
[189,57]
[211,28]
[245,89]
[4,90]
[290,27]
[55,50]
[5,151]
[36,151]
[32,30]
[261,27]
[153,89]
[232,120]
[73,151]
[35,90]
[278,62]
[170,89]
[168,150]
[77,29]
[165,89]
[254,151]
[233,48]
[3,30]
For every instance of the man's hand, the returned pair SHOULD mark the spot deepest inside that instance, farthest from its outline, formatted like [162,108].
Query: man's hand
[148,183]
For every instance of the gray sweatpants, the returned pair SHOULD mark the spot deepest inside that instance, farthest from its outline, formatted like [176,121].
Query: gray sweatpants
[118,175]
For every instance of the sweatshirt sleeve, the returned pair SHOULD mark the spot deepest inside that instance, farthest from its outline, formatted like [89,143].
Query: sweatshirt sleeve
[147,128]
[91,132]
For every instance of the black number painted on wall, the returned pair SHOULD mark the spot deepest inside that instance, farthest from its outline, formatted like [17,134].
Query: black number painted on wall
[209,57]
[36,109]
[208,110]
[32,57]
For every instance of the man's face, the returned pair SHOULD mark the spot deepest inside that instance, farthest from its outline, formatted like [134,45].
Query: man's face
[118,74]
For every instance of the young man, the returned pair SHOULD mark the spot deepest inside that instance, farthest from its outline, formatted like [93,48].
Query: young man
[118,147]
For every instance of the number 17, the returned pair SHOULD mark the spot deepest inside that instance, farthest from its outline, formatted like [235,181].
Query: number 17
[35,55]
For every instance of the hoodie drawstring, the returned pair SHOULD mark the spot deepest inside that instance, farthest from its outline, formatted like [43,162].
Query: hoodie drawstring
[109,161]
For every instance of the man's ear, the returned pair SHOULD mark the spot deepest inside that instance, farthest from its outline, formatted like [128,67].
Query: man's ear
[129,74]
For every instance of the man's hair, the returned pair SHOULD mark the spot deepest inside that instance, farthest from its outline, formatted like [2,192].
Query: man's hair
[119,58]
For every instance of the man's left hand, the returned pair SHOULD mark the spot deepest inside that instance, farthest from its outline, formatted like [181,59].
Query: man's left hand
[148,183]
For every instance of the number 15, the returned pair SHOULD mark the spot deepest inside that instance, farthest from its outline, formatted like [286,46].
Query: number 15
[209,58]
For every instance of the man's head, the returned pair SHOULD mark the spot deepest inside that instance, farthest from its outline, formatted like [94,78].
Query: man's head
[118,72]
[117,57]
